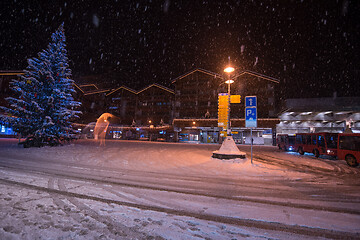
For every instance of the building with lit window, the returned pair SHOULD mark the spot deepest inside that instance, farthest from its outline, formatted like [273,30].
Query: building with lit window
[196,106]
[191,110]
[145,114]
[121,102]
[155,104]
[92,102]
[152,105]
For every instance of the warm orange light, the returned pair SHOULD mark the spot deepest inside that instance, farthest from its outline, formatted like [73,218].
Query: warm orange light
[194,123]
[229,69]
[149,121]
[230,81]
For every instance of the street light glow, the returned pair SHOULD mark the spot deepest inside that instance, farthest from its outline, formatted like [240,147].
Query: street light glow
[230,81]
[229,69]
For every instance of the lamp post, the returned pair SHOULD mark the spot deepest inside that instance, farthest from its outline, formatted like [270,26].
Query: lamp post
[228,149]
[229,70]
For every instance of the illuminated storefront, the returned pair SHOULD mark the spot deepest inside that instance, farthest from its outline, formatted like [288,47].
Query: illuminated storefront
[320,115]
[206,131]
[7,131]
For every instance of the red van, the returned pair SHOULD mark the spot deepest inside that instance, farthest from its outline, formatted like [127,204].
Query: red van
[349,148]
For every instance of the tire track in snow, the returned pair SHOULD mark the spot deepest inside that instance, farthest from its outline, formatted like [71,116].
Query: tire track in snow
[115,228]
[68,211]
[138,199]
[336,165]
[302,230]
[150,179]
[93,170]
[199,193]
[337,171]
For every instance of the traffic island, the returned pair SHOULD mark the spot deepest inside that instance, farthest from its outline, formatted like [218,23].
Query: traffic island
[228,150]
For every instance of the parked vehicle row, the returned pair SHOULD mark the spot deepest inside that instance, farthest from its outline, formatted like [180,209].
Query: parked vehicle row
[343,146]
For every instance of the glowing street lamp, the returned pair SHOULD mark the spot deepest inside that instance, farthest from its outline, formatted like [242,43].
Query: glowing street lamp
[229,70]
[228,149]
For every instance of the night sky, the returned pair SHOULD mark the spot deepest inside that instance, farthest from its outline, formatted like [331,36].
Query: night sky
[312,47]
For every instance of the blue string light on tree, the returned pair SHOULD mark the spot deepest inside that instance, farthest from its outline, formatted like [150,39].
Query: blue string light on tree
[45,106]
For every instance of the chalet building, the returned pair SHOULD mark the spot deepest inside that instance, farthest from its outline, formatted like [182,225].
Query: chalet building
[92,102]
[196,94]
[154,105]
[196,106]
[145,114]
[150,106]
[121,102]
[311,115]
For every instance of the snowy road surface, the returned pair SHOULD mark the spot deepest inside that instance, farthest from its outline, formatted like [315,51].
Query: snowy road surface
[151,190]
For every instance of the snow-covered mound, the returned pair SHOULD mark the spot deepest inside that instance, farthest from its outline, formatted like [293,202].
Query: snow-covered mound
[228,150]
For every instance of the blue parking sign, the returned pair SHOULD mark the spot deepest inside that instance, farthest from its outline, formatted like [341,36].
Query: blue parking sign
[250,101]
[250,117]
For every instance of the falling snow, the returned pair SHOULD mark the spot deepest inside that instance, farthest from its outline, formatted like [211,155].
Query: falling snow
[95,20]
[168,38]
[242,48]
[256,61]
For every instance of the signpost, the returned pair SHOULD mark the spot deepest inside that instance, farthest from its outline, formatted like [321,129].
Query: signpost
[235,98]
[251,116]
[250,101]
[223,112]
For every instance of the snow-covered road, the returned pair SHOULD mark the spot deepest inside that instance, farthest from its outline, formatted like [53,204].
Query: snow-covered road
[140,190]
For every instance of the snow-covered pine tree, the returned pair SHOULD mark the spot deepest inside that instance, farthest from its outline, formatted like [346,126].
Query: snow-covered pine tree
[43,105]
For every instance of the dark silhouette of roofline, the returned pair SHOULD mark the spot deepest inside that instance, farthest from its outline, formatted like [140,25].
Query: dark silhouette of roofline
[122,87]
[143,89]
[157,85]
[217,75]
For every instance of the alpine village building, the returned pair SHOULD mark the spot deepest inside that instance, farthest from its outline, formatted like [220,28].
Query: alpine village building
[196,107]
[186,113]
